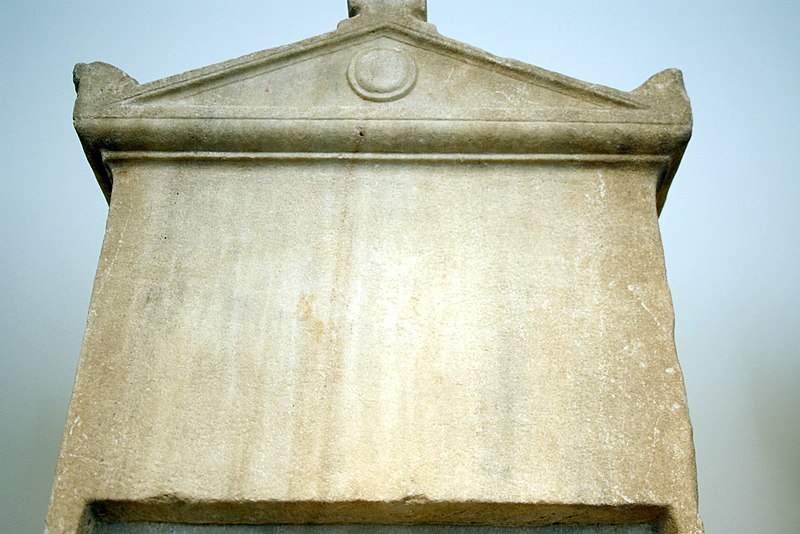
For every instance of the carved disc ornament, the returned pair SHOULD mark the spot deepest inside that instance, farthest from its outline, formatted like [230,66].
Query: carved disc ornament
[382,74]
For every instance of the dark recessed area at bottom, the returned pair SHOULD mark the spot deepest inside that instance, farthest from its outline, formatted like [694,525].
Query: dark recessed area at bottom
[171,515]
[164,528]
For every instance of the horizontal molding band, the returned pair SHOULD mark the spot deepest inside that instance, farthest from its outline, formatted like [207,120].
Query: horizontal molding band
[412,140]
[110,156]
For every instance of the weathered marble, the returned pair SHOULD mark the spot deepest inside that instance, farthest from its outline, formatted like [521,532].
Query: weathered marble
[379,277]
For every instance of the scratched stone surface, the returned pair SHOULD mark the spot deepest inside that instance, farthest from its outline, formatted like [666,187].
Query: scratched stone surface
[379,276]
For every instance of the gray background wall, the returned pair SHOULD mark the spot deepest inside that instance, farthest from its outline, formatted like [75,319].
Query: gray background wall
[729,227]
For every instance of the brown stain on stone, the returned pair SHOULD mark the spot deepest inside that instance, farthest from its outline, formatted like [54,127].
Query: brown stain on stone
[319,384]
[312,324]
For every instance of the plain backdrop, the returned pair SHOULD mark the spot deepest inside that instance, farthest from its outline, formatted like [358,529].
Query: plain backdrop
[729,226]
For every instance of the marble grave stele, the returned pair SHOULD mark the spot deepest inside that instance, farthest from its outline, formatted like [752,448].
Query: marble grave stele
[379,281]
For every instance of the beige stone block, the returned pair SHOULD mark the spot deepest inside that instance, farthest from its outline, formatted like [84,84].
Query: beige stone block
[379,277]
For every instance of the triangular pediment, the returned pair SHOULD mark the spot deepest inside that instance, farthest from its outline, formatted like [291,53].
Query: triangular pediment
[355,73]
[384,71]
[376,86]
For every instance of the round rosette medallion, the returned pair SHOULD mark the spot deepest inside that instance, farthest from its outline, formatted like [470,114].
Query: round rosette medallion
[382,74]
